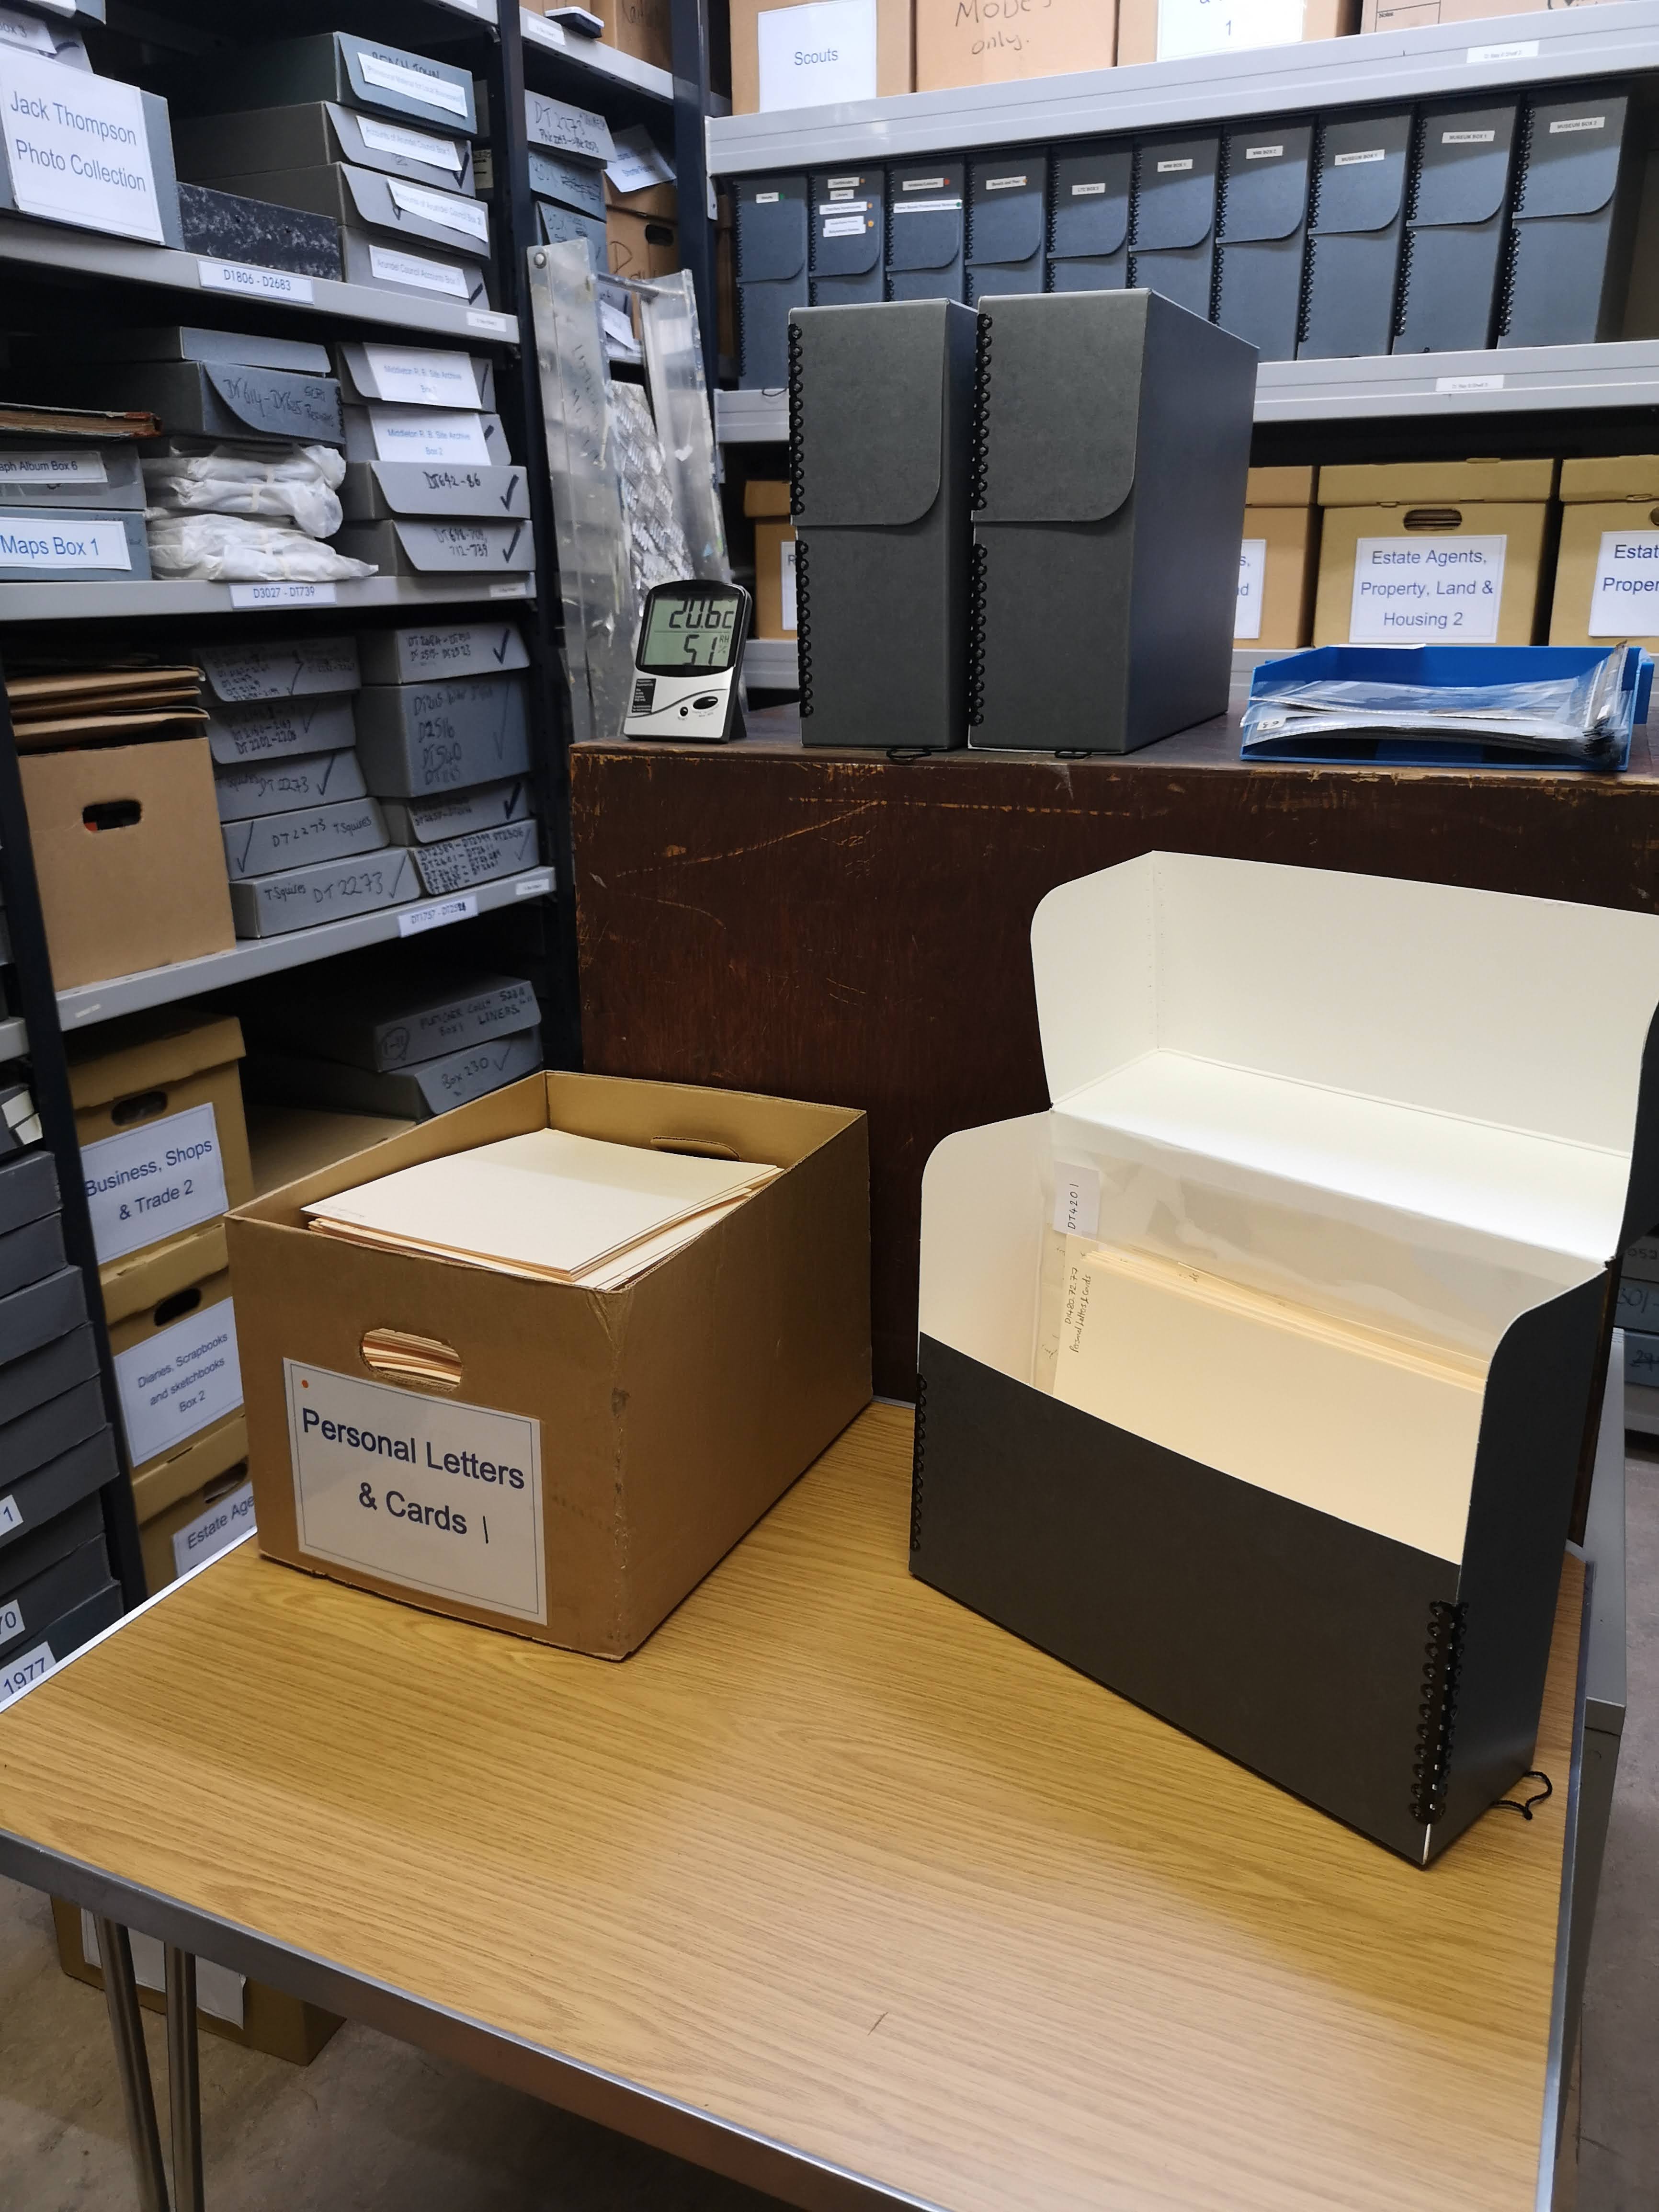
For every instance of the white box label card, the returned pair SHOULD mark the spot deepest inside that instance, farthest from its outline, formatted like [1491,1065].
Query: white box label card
[206,1536]
[438,1497]
[77,146]
[63,545]
[786,581]
[1213,27]
[1625,600]
[450,210]
[415,378]
[1252,577]
[390,267]
[843,225]
[11,1619]
[429,435]
[419,919]
[37,465]
[146,1184]
[17,1673]
[822,52]
[254,284]
[10,1515]
[395,76]
[180,1380]
[411,145]
[284,595]
[1412,590]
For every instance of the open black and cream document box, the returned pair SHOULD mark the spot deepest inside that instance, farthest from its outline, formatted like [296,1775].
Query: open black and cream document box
[1254,1375]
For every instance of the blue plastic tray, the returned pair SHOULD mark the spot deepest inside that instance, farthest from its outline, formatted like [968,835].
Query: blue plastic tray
[1429,664]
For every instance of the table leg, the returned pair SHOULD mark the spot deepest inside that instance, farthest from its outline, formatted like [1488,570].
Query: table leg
[132,2062]
[184,2081]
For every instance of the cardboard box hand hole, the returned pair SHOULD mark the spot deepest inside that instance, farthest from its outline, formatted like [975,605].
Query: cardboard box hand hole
[394,1352]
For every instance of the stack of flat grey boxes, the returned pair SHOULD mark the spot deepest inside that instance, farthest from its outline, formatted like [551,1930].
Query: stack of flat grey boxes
[443,732]
[71,514]
[569,151]
[365,1036]
[430,488]
[57,1450]
[304,842]
[375,137]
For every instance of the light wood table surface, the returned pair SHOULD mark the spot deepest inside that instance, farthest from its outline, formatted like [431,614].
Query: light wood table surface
[833,1887]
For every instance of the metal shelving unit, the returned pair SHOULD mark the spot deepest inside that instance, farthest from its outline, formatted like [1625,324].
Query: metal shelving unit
[1604,40]
[143,598]
[604,63]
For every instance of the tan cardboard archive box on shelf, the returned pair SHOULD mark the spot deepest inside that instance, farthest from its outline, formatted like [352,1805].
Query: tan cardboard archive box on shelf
[1607,572]
[641,245]
[639,27]
[827,50]
[178,1372]
[767,505]
[1279,561]
[197,1527]
[993,41]
[1433,552]
[1172,30]
[649,1427]
[1417,15]
[129,857]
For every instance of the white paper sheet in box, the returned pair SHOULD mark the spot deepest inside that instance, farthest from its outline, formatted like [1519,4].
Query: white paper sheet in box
[1284,1447]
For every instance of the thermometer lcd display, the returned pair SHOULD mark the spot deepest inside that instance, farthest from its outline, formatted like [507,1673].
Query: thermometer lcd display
[689,629]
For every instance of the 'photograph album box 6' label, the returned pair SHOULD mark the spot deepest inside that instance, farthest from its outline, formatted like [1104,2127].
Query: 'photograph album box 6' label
[51,476]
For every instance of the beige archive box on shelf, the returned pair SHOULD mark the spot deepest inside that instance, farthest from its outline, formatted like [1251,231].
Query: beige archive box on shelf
[622,1440]
[1433,552]
[994,41]
[178,1378]
[1171,30]
[1279,560]
[767,505]
[826,51]
[1607,572]
[639,27]
[195,1526]
[1416,14]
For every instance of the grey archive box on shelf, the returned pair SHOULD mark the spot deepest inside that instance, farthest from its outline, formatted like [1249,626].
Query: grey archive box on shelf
[158,141]
[1355,225]
[1172,224]
[30,1608]
[265,843]
[367,203]
[1577,191]
[1007,223]
[881,426]
[417,655]
[258,234]
[1262,234]
[54,1426]
[242,733]
[416,740]
[415,1092]
[1089,218]
[771,223]
[464,814]
[176,341]
[440,549]
[568,183]
[308,780]
[40,1314]
[484,856]
[61,475]
[79,545]
[926,230]
[35,1497]
[1457,217]
[324,891]
[46,1372]
[377,491]
[557,225]
[52,1540]
[311,132]
[214,399]
[849,222]
[335,65]
[386,1021]
[1112,445]
[423,433]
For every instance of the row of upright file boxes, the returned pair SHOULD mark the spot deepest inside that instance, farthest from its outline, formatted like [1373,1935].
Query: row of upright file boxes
[1456,225]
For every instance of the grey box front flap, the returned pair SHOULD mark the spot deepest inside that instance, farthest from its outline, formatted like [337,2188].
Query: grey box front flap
[572,184]
[450,169]
[440,93]
[771,220]
[924,215]
[1361,178]
[839,196]
[1463,164]
[1265,192]
[443,547]
[1006,208]
[1174,193]
[566,129]
[1064,405]
[871,411]
[1573,149]
[1091,202]
[279,404]
[374,197]
[560,224]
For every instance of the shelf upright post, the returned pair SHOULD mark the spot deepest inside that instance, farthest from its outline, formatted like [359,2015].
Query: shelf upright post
[50,1082]
[699,237]
[520,394]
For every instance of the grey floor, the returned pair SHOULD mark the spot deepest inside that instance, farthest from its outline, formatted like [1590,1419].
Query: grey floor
[372,2126]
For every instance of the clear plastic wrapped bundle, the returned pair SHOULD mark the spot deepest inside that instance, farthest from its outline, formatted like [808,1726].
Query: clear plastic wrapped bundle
[228,549]
[297,482]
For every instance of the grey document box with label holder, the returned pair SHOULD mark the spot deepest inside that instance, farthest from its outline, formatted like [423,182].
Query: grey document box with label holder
[1008,217]
[1172,234]
[881,425]
[1111,447]
[1578,185]
[1088,219]
[1262,234]
[1456,221]
[925,231]
[849,237]
[1354,224]
[771,249]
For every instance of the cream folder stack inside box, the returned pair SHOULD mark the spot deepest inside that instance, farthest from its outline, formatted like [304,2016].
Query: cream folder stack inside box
[548,1205]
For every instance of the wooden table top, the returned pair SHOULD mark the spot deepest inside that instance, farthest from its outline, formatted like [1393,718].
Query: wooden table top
[835,1860]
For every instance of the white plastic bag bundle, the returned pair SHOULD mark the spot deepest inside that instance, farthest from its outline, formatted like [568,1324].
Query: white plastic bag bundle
[299,481]
[226,549]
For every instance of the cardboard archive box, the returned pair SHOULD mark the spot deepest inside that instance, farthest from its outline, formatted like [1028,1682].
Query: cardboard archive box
[1606,571]
[180,1386]
[1254,1376]
[819,54]
[651,1426]
[1415,15]
[641,245]
[768,506]
[992,41]
[1171,30]
[1278,560]
[148,887]
[197,1526]
[639,27]
[1433,552]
